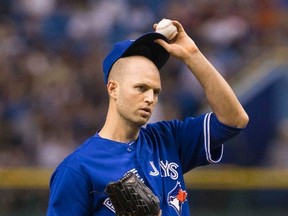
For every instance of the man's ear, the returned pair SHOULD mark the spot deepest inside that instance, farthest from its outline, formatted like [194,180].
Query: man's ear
[112,88]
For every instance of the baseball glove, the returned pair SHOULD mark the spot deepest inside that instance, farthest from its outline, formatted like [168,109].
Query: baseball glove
[131,197]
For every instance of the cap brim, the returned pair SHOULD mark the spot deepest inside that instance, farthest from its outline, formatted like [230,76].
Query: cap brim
[145,46]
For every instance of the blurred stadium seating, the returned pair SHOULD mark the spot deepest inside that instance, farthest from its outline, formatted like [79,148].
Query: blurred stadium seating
[52,93]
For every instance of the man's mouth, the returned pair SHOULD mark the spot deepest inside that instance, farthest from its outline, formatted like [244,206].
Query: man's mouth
[147,110]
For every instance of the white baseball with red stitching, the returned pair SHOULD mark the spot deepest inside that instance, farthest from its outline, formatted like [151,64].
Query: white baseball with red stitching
[166,28]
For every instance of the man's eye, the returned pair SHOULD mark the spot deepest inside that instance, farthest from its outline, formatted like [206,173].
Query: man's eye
[156,92]
[140,88]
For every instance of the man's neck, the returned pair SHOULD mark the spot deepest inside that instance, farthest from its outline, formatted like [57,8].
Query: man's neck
[119,132]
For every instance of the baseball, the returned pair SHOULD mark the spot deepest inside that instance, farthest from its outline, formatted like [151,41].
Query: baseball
[166,28]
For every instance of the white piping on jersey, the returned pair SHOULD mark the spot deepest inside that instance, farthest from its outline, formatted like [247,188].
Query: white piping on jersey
[206,129]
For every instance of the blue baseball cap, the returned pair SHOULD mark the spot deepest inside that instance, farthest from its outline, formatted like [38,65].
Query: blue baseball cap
[143,46]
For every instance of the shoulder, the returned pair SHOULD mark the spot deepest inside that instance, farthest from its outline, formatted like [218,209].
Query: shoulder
[92,153]
[74,166]
[176,125]
[162,126]
[81,154]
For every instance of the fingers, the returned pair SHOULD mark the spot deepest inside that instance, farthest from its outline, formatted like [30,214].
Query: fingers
[154,26]
[179,27]
[163,43]
[160,213]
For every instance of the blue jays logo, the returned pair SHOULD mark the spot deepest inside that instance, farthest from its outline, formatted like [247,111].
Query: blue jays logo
[176,198]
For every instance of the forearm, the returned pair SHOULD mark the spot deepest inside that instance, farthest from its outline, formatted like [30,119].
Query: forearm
[219,94]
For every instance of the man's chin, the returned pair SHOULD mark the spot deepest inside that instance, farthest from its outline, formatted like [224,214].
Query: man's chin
[142,121]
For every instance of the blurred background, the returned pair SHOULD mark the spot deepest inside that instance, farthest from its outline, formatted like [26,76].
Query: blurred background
[52,93]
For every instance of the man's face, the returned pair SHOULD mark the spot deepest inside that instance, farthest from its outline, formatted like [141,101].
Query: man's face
[138,90]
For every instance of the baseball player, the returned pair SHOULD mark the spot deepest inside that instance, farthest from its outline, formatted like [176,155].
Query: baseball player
[159,153]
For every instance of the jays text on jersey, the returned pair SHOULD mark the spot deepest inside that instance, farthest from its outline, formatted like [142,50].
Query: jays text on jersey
[162,153]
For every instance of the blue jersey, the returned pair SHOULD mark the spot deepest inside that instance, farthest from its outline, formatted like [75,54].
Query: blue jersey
[162,153]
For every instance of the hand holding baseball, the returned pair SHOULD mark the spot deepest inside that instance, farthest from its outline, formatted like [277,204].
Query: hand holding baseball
[166,28]
[181,46]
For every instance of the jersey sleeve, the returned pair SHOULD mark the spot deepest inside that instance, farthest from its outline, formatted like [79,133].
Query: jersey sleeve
[198,140]
[201,140]
[68,193]
[215,135]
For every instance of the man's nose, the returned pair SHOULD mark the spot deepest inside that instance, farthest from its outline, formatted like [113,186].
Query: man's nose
[150,96]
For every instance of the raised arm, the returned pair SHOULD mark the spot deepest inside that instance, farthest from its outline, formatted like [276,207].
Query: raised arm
[219,94]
